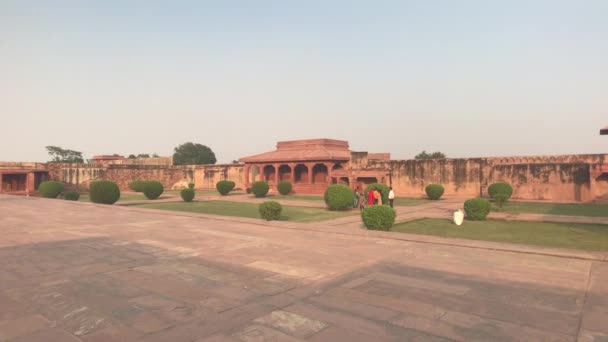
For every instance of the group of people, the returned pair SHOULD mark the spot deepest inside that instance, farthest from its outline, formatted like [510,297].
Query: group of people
[374,197]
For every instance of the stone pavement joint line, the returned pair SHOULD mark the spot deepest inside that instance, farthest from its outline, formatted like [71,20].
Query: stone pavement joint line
[106,273]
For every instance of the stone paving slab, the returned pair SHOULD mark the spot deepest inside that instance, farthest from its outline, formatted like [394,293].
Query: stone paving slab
[106,273]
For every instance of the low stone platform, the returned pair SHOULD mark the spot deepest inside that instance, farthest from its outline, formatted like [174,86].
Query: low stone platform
[82,272]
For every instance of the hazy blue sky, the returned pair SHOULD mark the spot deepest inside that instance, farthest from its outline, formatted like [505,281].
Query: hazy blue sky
[469,78]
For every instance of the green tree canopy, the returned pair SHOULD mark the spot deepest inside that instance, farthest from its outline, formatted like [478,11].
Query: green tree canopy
[60,155]
[434,155]
[193,154]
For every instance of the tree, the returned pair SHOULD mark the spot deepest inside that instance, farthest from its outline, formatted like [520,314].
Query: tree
[193,154]
[143,155]
[61,155]
[435,155]
[132,156]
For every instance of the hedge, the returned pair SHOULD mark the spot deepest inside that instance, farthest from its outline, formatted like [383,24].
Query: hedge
[378,217]
[224,187]
[434,191]
[260,188]
[153,189]
[284,187]
[71,196]
[500,192]
[383,188]
[477,209]
[50,189]
[187,194]
[270,210]
[137,185]
[104,192]
[339,197]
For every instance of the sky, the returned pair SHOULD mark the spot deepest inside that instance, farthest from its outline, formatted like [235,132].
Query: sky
[468,78]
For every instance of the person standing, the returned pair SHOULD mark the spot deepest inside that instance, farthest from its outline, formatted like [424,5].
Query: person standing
[377,197]
[391,196]
[370,197]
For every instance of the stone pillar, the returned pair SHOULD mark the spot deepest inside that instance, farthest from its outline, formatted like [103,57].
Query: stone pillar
[276,173]
[1,184]
[246,175]
[29,183]
[293,173]
[310,166]
[329,166]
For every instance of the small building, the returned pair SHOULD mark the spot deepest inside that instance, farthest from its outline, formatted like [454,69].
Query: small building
[21,178]
[103,160]
[311,165]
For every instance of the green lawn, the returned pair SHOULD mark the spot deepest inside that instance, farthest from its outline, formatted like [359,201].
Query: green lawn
[296,198]
[204,192]
[595,210]
[297,214]
[123,197]
[577,236]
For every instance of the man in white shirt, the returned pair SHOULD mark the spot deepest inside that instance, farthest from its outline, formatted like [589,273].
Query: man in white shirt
[391,196]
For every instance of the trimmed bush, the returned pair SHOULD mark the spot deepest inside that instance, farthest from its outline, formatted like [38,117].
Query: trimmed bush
[260,188]
[378,217]
[477,209]
[339,197]
[248,190]
[50,189]
[284,187]
[500,192]
[434,191]
[153,189]
[224,187]
[190,185]
[137,185]
[270,210]
[187,194]
[71,196]
[104,192]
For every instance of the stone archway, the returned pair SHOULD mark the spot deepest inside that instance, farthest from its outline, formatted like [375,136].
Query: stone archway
[269,172]
[285,173]
[319,174]
[300,173]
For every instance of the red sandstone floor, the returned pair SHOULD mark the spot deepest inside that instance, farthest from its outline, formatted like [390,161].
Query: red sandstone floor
[81,272]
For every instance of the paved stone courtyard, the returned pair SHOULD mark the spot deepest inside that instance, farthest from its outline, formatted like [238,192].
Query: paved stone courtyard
[83,272]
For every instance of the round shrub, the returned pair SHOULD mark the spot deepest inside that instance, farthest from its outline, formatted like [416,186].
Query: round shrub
[187,194]
[434,191]
[383,188]
[339,197]
[190,185]
[224,187]
[71,196]
[248,190]
[270,210]
[378,217]
[500,192]
[284,187]
[477,209]
[104,192]
[50,189]
[137,185]
[153,189]
[260,188]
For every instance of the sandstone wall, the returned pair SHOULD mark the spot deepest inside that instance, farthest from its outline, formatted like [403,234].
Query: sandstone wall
[554,178]
[172,177]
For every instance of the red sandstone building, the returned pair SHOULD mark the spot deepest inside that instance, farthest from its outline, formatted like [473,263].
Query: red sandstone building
[311,165]
[21,178]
